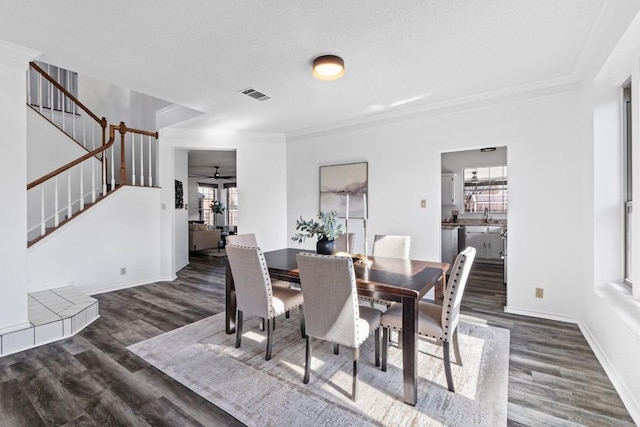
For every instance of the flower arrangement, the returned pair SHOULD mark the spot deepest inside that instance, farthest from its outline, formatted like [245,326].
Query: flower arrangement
[326,226]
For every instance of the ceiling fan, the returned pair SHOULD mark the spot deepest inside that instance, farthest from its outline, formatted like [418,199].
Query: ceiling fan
[218,176]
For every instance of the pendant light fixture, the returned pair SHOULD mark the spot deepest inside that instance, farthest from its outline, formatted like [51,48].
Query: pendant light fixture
[328,67]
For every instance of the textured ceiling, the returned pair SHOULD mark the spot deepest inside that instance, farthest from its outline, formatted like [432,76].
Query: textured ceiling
[398,55]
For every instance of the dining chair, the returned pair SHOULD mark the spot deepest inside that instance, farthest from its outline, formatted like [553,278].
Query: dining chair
[242,240]
[331,309]
[340,243]
[254,293]
[386,245]
[439,322]
[389,246]
[250,240]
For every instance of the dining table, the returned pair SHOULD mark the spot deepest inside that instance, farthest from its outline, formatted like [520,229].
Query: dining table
[391,279]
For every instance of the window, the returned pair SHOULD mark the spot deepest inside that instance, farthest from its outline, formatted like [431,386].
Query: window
[207,194]
[485,188]
[42,91]
[627,181]
[232,205]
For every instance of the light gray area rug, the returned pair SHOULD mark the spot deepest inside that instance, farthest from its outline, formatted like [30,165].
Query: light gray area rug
[271,393]
[213,252]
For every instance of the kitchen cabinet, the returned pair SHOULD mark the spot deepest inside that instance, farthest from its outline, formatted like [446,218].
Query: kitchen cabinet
[449,188]
[449,244]
[486,240]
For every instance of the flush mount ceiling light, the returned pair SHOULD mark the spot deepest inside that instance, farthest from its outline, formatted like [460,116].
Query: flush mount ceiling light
[328,67]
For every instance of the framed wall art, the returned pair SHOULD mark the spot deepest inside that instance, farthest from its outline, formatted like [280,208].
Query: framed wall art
[343,188]
[179,195]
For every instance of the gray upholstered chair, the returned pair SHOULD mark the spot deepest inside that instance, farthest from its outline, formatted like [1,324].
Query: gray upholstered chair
[250,240]
[254,293]
[386,245]
[331,308]
[340,243]
[389,246]
[242,240]
[438,322]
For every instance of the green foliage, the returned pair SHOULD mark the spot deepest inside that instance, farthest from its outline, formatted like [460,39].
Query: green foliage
[325,226]
[217,207]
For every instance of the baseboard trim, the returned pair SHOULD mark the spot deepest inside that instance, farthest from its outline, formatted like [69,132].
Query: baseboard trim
[540,314]
[633,405]
[118,287]
[182,266]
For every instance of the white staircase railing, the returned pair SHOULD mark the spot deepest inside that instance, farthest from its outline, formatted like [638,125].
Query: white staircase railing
[58,196]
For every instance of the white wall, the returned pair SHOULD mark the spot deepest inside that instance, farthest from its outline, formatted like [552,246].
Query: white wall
[13,171]
[261,179]
[541,135]
[611,315]
[120,231]
[181,215]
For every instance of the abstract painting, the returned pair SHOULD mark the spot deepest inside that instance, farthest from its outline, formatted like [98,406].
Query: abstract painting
[342,183]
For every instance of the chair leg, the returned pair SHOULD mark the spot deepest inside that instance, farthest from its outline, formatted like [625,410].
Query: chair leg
[302,324]
[447,365]
[456,347]
[400,340]
[377,350]
[307,360]
[238,328]
[273,323]
[385,348]
[336,349]
[269,339]
[262,323]
[356,356]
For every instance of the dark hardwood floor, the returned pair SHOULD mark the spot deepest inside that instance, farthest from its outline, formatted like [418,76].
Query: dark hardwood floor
[93,380]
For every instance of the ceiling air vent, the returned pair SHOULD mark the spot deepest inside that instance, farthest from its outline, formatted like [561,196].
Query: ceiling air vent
[254,94]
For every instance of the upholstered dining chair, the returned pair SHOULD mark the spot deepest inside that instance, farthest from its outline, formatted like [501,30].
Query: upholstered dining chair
[250,240]
[331,309]
[389,246]
[340,243]
[254,293]
[439,322]
[242,240]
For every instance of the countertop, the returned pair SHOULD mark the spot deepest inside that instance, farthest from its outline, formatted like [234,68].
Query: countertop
[472,222]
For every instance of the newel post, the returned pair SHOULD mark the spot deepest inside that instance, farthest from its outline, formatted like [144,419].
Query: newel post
[123,165]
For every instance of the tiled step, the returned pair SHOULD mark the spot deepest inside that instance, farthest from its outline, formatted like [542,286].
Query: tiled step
[53,314]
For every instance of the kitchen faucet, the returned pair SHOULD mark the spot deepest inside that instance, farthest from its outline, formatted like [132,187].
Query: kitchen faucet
[485,215]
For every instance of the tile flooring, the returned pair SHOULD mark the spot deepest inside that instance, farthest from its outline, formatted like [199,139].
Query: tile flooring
[53,314]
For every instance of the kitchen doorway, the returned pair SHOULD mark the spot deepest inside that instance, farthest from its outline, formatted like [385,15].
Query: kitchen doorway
[475,206]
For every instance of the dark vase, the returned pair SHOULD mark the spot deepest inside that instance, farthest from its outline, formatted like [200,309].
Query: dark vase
[324,246]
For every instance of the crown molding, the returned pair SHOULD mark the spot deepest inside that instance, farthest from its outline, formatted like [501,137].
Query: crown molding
[15,55]
[485,100]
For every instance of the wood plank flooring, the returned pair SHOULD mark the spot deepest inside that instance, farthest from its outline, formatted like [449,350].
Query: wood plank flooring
[93,380]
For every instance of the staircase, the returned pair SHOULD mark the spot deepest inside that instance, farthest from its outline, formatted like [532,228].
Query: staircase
[113,154]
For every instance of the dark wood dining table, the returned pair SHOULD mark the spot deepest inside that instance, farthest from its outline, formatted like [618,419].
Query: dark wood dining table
[390,279]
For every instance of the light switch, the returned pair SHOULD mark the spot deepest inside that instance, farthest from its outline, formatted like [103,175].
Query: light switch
[423,203]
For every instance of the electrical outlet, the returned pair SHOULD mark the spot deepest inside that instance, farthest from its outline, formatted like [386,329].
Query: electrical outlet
[123,271]
[539,292]
[423,203]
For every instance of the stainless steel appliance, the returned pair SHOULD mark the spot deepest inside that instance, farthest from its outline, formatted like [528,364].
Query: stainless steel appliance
[503,254]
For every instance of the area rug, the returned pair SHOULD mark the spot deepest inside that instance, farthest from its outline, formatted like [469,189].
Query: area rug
[213,252]
[271,393]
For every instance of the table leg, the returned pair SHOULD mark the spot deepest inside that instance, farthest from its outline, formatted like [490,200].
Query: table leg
[409,349]
[440,287]
[230,301]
